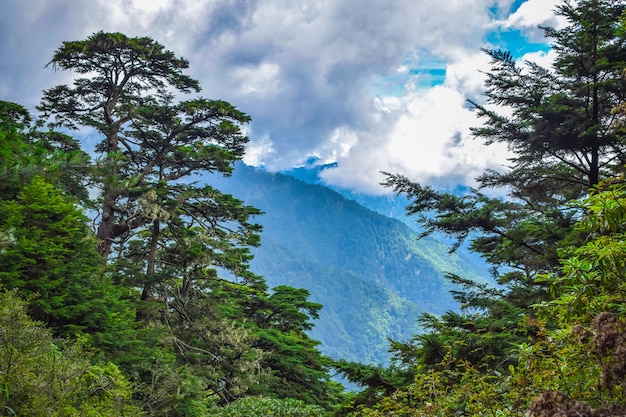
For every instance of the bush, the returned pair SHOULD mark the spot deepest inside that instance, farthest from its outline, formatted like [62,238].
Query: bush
[41,376]
[259,406]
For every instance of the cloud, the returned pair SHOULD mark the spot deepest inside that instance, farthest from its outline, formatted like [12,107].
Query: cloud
[426,137]
[327,56]
[373,85]
[28,37]
[534,14]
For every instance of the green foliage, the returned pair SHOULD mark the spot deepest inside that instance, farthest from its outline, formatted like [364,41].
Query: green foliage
[551,340]
[377,383]
[218,348]
[126,67]
[27,152]
[148,142]
[39,377]
[51,249]
[185,245]
[260,406]
[170,298]
[52,260]
[163,385]
[471,348]
[202,330]
[583,358]
[591,279]
[571,362]
[519,236]
[297,369]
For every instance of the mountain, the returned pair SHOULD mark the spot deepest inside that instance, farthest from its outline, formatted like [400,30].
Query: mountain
[371,273]
[390,205]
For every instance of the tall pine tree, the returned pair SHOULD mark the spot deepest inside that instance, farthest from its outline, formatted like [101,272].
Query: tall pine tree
[560,124]
[184,245]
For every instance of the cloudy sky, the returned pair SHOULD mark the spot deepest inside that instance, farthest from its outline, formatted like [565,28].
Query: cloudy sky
[375,85]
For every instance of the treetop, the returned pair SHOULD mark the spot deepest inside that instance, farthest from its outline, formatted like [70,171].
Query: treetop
[117,56]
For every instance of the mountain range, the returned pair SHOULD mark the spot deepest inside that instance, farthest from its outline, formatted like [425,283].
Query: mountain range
[372,273]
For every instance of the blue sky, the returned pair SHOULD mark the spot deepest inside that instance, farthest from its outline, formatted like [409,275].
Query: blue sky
[373,85]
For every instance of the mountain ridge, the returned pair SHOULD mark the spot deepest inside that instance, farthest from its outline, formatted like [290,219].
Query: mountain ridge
[371,273]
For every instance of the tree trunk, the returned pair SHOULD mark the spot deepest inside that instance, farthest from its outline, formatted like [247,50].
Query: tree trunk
[152,255]
[106,228]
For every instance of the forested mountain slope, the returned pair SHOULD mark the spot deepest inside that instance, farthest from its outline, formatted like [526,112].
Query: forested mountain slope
[371,273]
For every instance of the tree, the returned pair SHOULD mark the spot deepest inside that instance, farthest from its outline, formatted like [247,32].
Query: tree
[192,264]
[127,101]
[561,129]
[240,339]
[48,252]
[183,244]
[13,143]
[170,143]
[40,378]
[52,260]
[579,363]
[52,257]
[296,367]
[561,125]
[590,280]
[572,365]
[562,118]
[27,151]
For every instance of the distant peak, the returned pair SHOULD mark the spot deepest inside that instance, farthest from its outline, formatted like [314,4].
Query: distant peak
[310,172]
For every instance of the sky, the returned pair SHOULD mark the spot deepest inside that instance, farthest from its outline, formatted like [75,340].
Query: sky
[374,85]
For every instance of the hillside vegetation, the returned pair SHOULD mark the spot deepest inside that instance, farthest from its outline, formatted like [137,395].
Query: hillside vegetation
[156,310]
[372,274]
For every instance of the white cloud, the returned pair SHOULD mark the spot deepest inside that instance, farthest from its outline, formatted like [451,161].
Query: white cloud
[427,139]
[311,73]
[258,151]
[541,58]
[150,5]
[467,74]
[531,15]
[258,79]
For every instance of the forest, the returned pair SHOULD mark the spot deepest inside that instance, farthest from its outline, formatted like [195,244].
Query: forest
[126,289]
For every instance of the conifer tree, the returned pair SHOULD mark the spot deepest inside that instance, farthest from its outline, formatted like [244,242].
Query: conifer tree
[52,259]
[561,129]
[127,99]
[562,118]
[183,244]
[47,250]
[560,124]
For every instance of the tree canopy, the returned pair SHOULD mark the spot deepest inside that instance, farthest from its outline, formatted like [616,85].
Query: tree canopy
[526,345]
[159,293]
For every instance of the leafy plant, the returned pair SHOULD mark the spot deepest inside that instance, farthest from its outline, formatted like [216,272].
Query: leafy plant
[41,376]
[260,406]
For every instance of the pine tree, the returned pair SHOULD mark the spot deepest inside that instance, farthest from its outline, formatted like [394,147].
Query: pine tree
[42,376]
[562,118]
[561,130]
[52,260]
[48,252]
[561,125]
[128,102]
[185,245]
